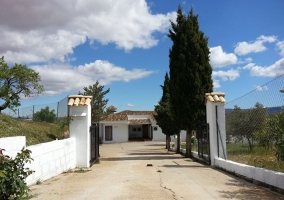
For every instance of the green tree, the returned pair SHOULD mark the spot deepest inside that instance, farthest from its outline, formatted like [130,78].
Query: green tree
[274,128]
[246,124]
[163,114]
[190,73]
[17,81]
[99,102]
[45,115]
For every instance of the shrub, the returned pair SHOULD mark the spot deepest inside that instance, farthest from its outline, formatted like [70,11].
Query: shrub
[13,174]
[274,130]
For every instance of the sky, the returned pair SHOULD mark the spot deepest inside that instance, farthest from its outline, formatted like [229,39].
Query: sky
[124,45]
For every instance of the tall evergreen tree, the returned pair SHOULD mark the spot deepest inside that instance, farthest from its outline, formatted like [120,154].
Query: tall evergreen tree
[99,102]
[190,73]
[163,114]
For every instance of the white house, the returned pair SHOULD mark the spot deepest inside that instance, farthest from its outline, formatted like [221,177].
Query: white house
[129,125]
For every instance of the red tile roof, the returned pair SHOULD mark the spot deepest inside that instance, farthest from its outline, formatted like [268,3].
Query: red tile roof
[123,115]
[139,121]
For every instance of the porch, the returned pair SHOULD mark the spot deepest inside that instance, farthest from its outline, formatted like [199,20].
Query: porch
[139,132]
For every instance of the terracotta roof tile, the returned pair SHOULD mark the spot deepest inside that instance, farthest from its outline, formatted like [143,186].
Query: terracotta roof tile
[76,100]
[139,121]
[123,115]
[215,97]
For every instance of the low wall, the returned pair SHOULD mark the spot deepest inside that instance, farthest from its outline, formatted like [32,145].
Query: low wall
[50,158]
[265,176]
[12,145]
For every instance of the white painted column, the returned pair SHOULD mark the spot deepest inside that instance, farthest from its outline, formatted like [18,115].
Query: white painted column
[79,128]
[215,107]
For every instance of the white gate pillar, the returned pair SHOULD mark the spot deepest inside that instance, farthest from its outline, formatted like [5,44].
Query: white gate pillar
[80,112]
[215,113]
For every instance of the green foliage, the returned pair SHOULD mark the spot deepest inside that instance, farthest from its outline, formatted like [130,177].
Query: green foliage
[245,124]
[35,132]
[258,157]
[14,173]
[15,82]
[190,72]
[163,114]
[274,132]
[64,123]
[98,103]
[45,115]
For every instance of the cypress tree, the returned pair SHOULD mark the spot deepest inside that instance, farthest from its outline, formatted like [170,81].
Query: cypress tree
[190,73]
[163,114]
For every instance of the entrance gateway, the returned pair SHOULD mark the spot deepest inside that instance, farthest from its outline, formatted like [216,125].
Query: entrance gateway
[94,140]
[203,141]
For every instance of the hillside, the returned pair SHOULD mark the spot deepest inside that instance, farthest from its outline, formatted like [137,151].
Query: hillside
[35,132]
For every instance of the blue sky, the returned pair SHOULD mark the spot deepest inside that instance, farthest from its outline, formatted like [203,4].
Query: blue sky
[123,45]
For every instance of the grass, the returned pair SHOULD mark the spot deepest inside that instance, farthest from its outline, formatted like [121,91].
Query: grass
[258,157]
[35,132]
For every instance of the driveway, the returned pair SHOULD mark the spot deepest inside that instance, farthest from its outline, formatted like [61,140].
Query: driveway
[145,170]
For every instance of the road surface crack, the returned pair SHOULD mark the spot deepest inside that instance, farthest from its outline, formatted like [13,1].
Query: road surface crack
[165,187]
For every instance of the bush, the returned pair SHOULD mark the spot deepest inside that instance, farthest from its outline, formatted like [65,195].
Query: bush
[45,115]
[274,133]
[13,174]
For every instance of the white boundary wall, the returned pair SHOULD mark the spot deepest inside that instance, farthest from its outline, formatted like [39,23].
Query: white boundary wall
[265,176]
[50,159]
[268,177]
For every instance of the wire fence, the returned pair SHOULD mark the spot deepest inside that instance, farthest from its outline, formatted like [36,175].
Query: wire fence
[59,108]
[255,127]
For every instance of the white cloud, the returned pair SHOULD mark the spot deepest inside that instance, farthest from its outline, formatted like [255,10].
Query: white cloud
[230,75]
[216,84]
[261,88]
[58,78]
[280,47]
[219,58]
[39,31]
[130,105]
[273,70]
[243,48]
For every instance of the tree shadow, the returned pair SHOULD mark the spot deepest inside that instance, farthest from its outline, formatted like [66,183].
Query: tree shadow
[141,158]
[185,166]
[157,145]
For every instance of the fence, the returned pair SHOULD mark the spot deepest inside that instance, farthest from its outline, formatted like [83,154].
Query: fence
[60,109]
[255,127]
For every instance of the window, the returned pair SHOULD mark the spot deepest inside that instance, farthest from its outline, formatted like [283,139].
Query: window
[108,133]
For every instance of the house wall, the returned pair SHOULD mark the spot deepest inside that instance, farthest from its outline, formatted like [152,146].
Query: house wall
[119,132]
[182,136]
[158,135]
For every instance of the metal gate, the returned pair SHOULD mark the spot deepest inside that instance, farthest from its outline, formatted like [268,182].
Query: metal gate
[94,134]
[203,142]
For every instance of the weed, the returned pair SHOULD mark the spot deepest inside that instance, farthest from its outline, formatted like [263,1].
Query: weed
[38,182]
[81,170]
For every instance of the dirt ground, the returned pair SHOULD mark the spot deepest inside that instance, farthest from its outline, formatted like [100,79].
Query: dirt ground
[145,170]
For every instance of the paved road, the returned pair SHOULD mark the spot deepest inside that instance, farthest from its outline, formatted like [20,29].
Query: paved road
[123,174]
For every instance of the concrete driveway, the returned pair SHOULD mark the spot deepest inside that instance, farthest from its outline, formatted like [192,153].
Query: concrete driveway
[145,170]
